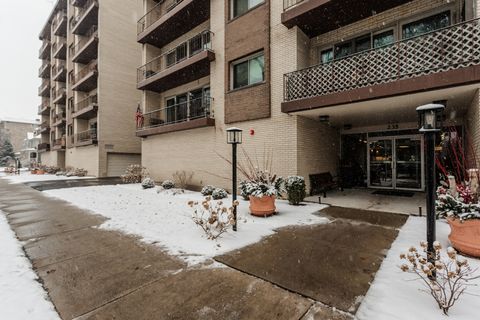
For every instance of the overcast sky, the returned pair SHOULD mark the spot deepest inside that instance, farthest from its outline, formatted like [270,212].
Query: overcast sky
[20,24]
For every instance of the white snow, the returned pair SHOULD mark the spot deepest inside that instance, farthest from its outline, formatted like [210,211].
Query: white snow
[394,296]
[21,296]
[26,176]
[165,219]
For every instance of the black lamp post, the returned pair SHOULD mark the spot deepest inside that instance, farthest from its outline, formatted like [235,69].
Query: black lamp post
[234,137]
[429,124]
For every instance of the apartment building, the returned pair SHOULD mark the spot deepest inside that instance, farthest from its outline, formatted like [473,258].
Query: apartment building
[326,86]
[89,100]
[15,131]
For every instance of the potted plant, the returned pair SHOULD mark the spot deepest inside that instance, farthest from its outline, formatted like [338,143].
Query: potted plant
[262,189]
[462,211]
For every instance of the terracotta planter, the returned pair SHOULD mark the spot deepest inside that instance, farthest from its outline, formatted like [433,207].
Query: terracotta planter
[40,172]
[465,236]
[262,207]
[33,172]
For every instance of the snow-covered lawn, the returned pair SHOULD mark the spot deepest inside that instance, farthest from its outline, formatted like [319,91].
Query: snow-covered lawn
[165,219]
[393,296]
[21,296]
[26,176]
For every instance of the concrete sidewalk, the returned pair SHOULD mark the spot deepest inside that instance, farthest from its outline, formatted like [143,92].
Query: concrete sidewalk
[92,273]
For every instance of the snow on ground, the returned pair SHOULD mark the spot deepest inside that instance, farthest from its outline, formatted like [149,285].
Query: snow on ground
[26,176]
[21,296]
[165,219]
[393,296]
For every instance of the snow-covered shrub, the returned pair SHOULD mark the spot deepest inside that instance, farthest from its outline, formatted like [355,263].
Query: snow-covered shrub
[244,191]
[212,216]
[459,204]
[207,190]
[219,193]
[79,172]
[148,183]
[135,173]
[295,187]
[168,184]
[445,278]
[264,184]
[60,173]
[182,178]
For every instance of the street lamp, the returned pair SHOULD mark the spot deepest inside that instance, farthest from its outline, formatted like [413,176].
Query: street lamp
[429,124]
[234,137]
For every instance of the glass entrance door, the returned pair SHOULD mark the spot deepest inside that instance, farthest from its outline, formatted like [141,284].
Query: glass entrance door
[396,162]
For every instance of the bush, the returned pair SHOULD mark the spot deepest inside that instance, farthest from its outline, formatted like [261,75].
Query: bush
[134,174]
[219,193]
[207,190]
[80,172]
[244,191]
[168,184]
[295,187]
[213,217]
[148,183]
[182,178]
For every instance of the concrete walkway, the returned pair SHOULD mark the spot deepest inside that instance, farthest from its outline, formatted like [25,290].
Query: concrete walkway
[91,273]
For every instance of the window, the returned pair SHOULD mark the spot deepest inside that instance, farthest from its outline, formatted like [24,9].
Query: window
[383,39]
[248,71]
[326,56]
[425,25]
[239,7]
[363,43]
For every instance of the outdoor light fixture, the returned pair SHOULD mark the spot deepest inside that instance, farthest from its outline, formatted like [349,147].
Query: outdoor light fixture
[234,137]
[429,125]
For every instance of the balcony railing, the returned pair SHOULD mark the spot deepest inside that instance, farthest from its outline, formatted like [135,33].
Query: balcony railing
[44,86]
[43,147]
[44,47]
[199,43]
[290,3]
[81,11]
[58,19]
[163,7]
[91,33]
[441,50]
[59,142]
[58,92]
[57,68]
[43,106]
[91,67]
[85,103]
[181,112]
[58,43]
[88,135]
[43,67]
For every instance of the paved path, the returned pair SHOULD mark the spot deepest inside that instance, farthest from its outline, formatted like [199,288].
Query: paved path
[92,273]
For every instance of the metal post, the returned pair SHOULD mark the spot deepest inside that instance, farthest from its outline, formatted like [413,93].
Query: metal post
[234,184]
[430,189]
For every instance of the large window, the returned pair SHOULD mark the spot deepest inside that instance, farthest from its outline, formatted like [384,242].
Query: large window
[239,7]
[248,71]
[425,25]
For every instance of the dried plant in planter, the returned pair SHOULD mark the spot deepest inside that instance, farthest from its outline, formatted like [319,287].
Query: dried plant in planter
[213,217]
[446,278]
[182,178]
[135,173]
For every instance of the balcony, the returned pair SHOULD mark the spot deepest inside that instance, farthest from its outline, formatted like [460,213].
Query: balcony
[44,127]
[187,62]
[315,17]
[86,49]
[86,108]
[44,89]
[43,147]
[195,113]
[44,51]
[59,95]
[59,49]
[170,19]
[59,144]
[86,16]
[86,138]
[86,79]
[78,3]
[59,23]
[439,59]
[59,119]
[44,70]
[59,72]
[44,108]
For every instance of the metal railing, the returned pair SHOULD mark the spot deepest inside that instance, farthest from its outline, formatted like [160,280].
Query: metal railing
[199,43]
[43,146]
[77,47]
[59,67]
[59,142]
[44,46]
[87,102]
[44,86]
[59,42]
[45,64]
[159,10]
[44,105]
[90,67]
[441,50]
[90,134]
[58,92]
[185,111]
[81,11]
[290,3]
